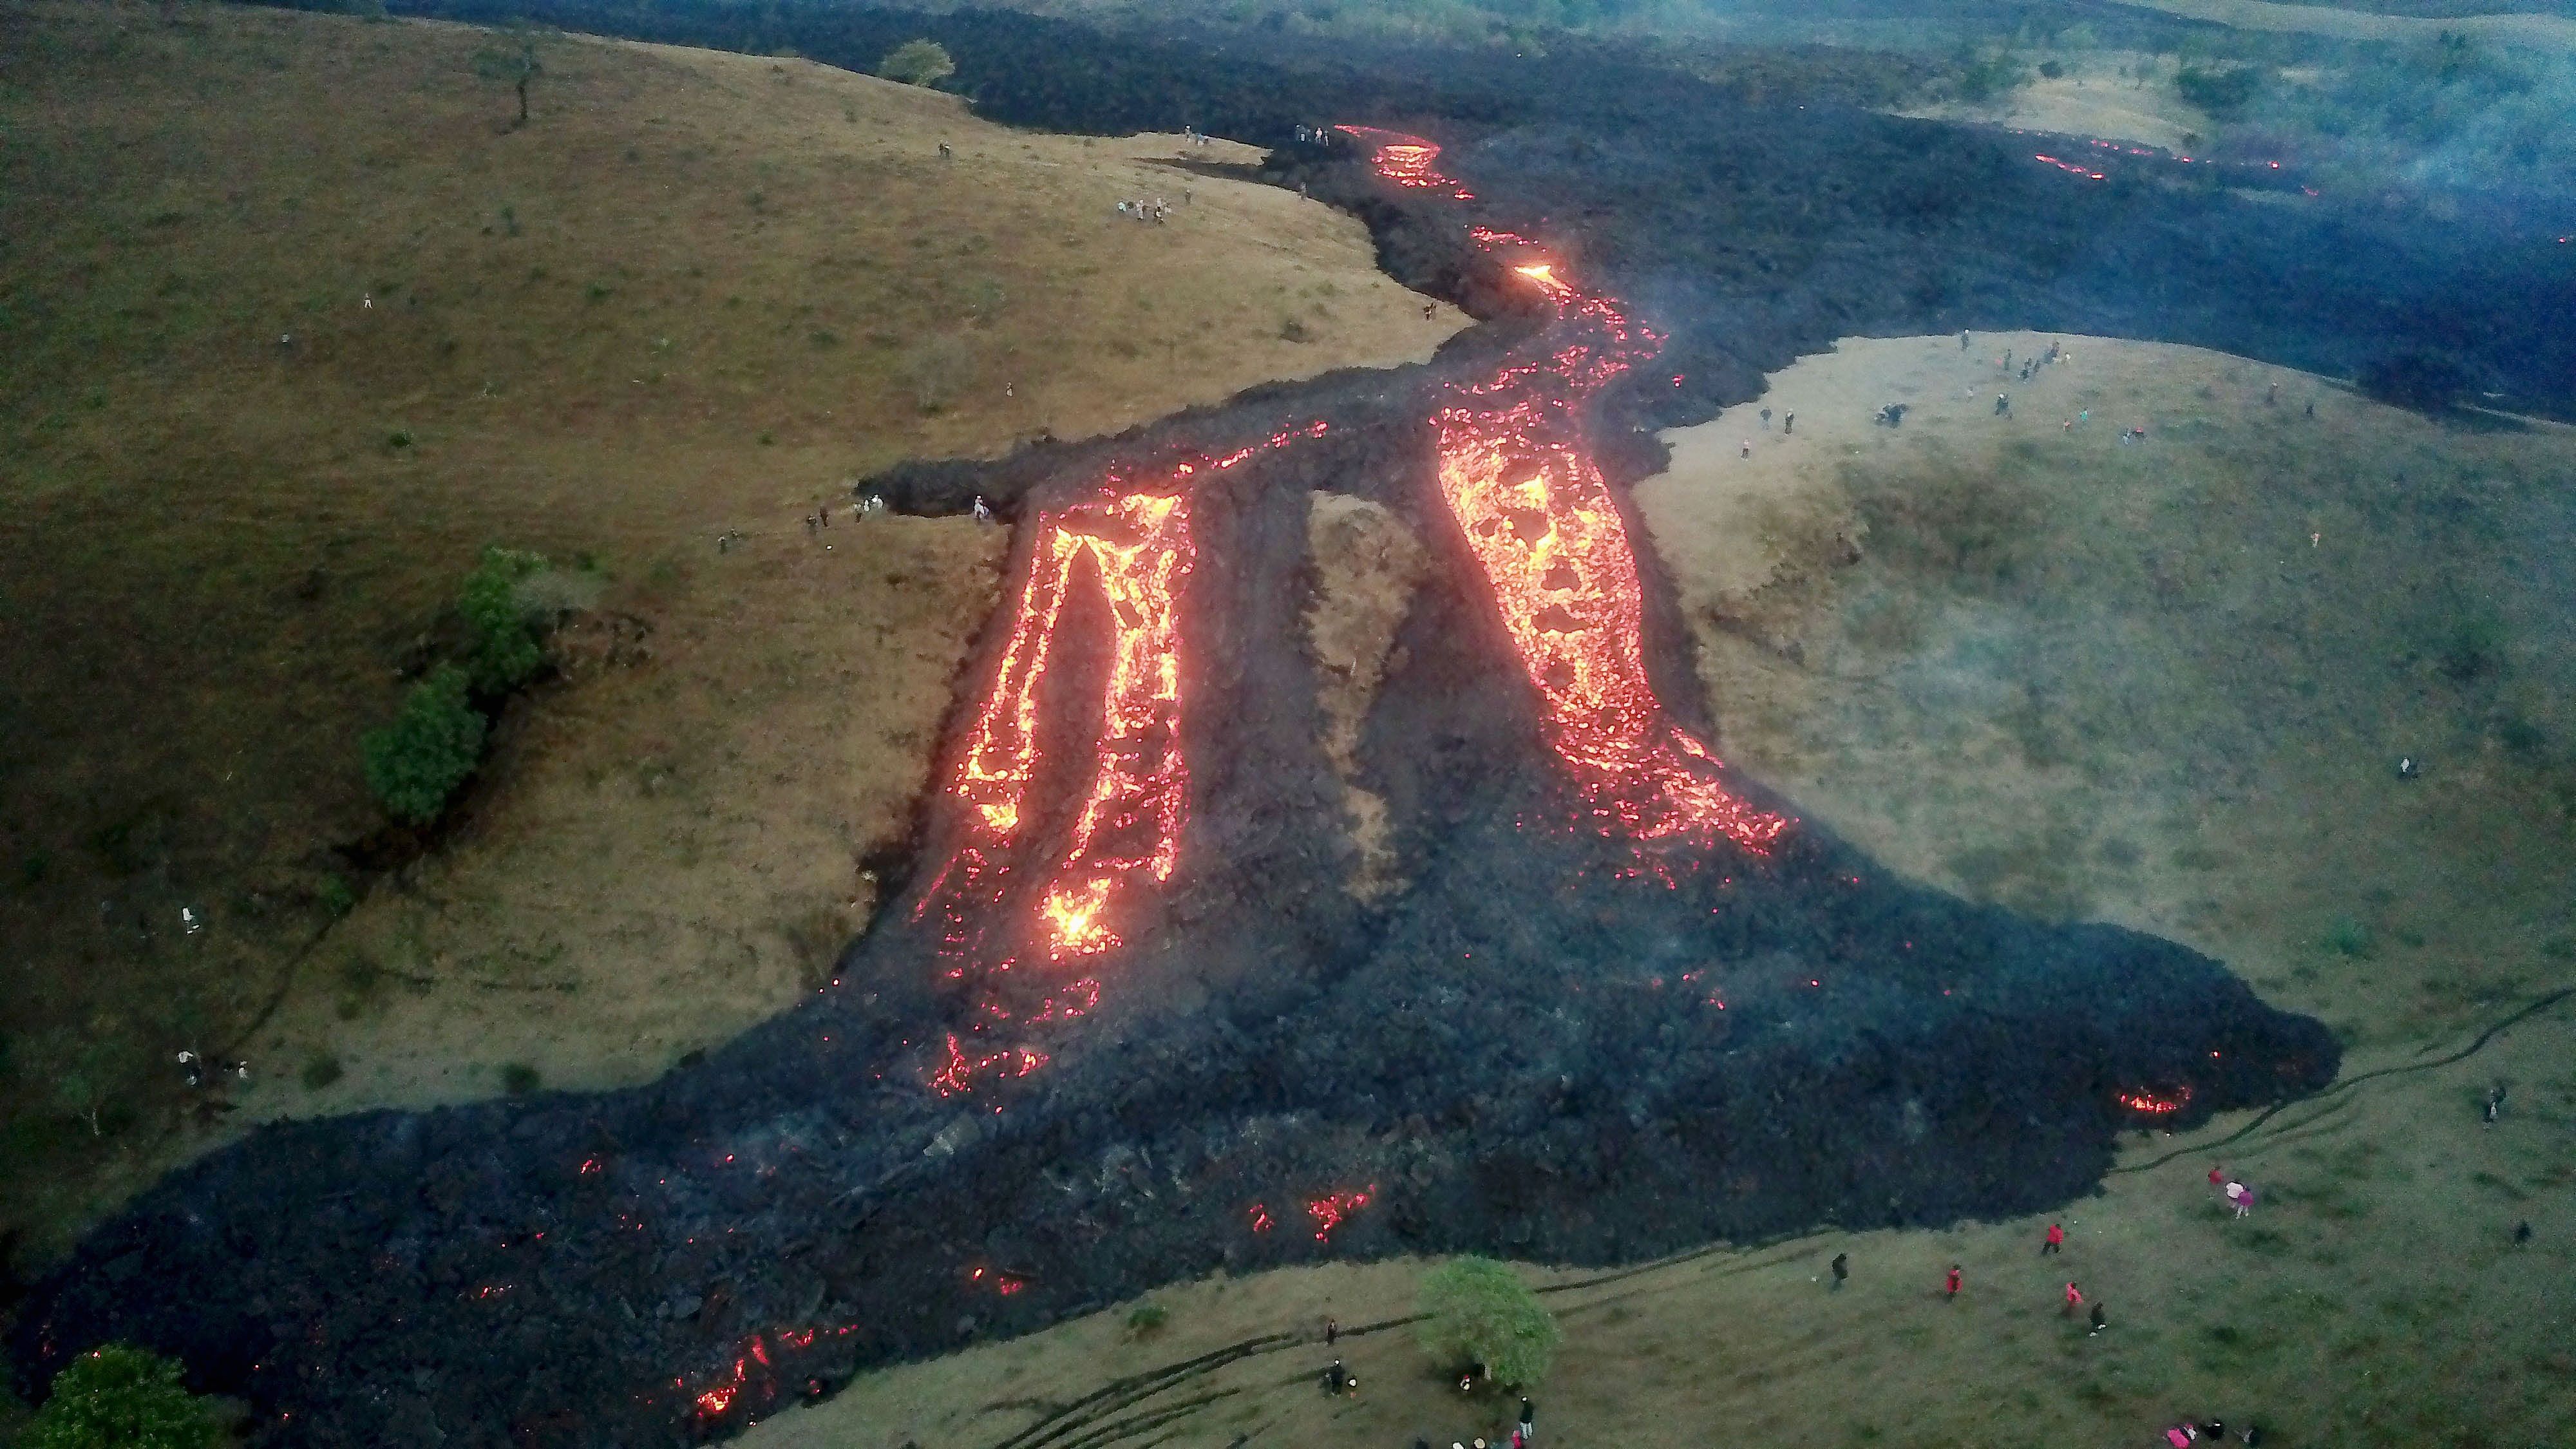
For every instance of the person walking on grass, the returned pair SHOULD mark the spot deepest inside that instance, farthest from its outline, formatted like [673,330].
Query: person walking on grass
[1950,1285]
[1529,1420]
[2074,1300]
[2098,1319]
[2055,1241]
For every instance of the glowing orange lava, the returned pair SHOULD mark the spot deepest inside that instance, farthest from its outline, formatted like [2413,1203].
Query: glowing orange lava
[1519,476]
[1135,547]
[2154,1105]
[1329,1210]
[1406,161]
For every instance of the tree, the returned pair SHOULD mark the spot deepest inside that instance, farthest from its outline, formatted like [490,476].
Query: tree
[1477,1312]
[501,648]
[2425,381]
[917,63]
[2220,90]
[516,63]
[415,764]
[119,1397]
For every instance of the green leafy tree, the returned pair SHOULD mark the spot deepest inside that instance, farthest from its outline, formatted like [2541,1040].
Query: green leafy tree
[1476,1312]
[917,63]
[501,648]
[415,764]
[121,1398]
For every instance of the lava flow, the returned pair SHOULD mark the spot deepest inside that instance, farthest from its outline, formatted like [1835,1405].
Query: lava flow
[1139,551]
[1519,476]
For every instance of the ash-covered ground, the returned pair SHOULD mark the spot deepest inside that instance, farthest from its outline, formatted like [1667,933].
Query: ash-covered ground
[1556,1042]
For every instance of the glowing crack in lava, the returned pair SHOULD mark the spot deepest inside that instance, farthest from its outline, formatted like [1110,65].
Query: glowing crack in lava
[1518,473]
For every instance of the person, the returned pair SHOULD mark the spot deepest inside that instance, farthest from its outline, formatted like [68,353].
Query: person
[2074,1300]
[2495,1103]
[1747,450]
[944,152]
[1766,417]
[2312,407]
[193,1068]
[1842,1268]
[1950,1285]
[1529,1419]
[2098,1319]
[825,513]
[2241,1197]
[2214,1429]
[2217,1176]
[2252,1434]
[1428,308]
[809,523]
[2522,1232]
[1334,1378]
[2273,397]
[2055,1240]
[982,513]
[1332,1331]
[2003,404]
[1963,339]
[1789,422]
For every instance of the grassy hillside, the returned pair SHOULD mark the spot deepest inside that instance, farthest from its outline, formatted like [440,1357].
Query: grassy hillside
[300,319]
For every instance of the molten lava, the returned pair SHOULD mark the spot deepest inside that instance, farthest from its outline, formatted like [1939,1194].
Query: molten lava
[1518,473]
[1406,161]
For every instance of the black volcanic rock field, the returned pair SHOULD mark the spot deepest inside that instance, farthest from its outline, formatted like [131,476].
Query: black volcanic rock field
[1123,1024]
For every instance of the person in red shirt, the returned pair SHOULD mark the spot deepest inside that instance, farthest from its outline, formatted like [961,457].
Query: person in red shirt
[1950,1285]
[2056,1240]
[2218,1177]
[2074,1300]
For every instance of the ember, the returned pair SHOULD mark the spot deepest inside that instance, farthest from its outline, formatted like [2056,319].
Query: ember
[1329,1210]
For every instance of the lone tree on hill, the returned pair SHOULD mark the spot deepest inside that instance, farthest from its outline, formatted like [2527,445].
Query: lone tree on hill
[121,1398]
[1477,1312]
[917,63]
[516,64]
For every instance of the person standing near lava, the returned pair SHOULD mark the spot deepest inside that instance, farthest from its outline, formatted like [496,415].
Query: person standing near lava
[1788,422]
[1842,1269]
[1950,1285]
[2055,1241]
[1963,339]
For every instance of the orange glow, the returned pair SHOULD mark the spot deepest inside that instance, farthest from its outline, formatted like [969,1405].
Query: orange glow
[1406,161]
[2153,1105]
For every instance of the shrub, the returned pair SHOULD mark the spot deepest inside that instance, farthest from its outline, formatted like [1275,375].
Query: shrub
[2219,90]
[415,764]
[1477,1312]
[2420,380]
[519,1079]
[917,63]
[501,649]
[121,1398]
[1147,1318]
[321,1072]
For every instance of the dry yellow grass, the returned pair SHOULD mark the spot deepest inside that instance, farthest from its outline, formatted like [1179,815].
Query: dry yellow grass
[299,321]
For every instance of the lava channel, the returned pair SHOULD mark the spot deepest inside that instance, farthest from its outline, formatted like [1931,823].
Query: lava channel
[1517,470]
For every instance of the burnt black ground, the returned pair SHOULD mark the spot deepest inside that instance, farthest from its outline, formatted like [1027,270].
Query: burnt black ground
[1518,1054]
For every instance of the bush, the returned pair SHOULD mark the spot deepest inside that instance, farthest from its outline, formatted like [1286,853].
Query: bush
[121,1398]
[519,1079]
[501,649]
[917,63]
[2420,380]
[2219,90]
[415,764]
[1479,1313]
[1147,1318]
